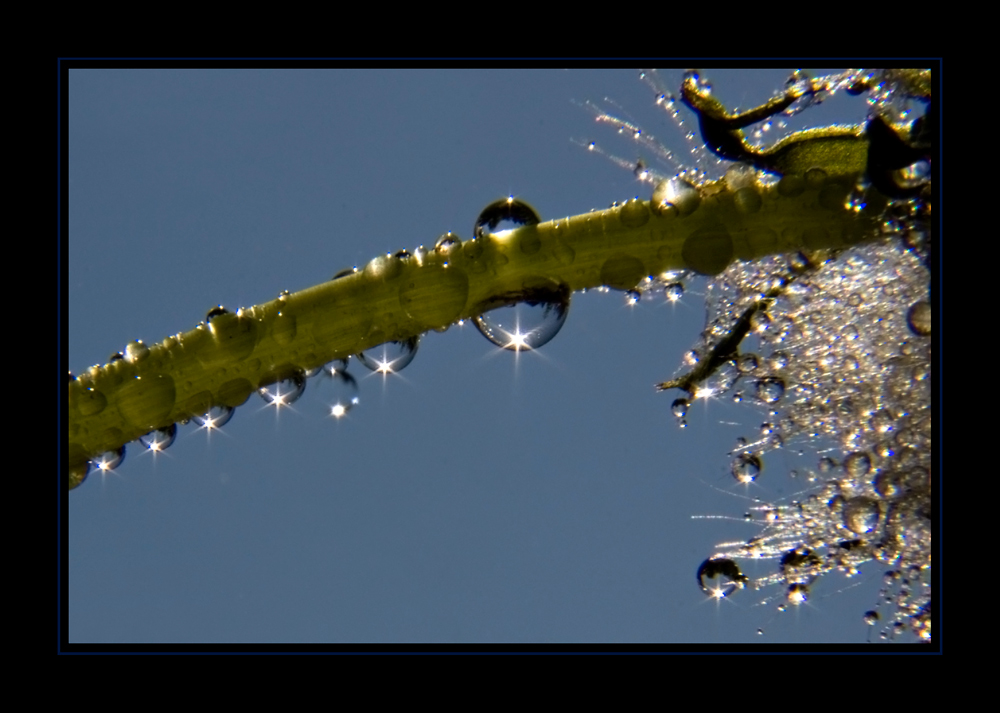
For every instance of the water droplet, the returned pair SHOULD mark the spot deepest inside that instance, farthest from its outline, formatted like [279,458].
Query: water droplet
[680,408]
[215,417]
[777,361]
[215,312]
[919,318]
[674,291]
[337,366]
[447,243]
[760,321]
[136,351]
[109,460]
[390,356]
[861,514]
[770,390]
[633,297]
[724,378]
[78,473]
[160,439]
[339,393]
[857,465]
[344,273]
[746,467]
[117,356]
[525,325]
[747,363]
[798,594]
[675,196]
[726,572]
[888,484]
[284,392]
[506,209]
[871,617]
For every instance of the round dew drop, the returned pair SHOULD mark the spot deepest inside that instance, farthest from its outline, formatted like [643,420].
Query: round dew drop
[390,356]
[525,325]
[160,439]
[215,417]
[339,393]
[109,460]
[284,392]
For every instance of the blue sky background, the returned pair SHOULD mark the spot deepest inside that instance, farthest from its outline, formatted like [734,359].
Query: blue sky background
[470,498]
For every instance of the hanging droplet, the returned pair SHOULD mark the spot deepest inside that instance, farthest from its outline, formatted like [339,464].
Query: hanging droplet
[680,408]
[160,439]
[337,366]
[871,617]
[674,291]
[798,594]
[525,325]
[390,356]
[726,572]
[746,467]
[770,390]
[633,297]
[215,417]
[109,460]
[339,393]
[284,392]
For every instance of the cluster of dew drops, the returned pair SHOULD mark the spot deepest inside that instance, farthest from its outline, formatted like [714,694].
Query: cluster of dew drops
[516,327]
[843,358]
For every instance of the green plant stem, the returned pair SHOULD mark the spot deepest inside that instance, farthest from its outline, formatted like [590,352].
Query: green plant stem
[393,299]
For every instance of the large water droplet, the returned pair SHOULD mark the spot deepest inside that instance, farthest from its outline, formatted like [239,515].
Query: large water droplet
[525,325]
[674,291]
[506,209]
[726,572]
[215,417]
[160,439]
[284,392]
[390,356]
